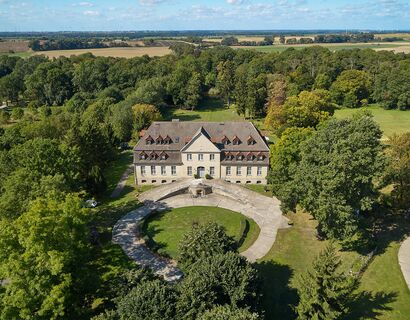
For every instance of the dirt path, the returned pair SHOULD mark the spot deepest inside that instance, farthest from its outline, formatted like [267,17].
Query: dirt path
[121,184]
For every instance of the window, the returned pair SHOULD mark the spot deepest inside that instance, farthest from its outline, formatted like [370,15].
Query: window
[163,170]
[189,157]
[259,171]
[153,171]
[261,157]
[212,171]
[211,157]
[174,170]
[200,157]
[249,171]
[163,156]
[143,170]
[228,171]
[238,171]
[189,171]
[143,156]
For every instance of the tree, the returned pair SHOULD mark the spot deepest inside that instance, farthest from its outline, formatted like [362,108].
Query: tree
[44,253]
[144,115]
[122,122]
[398,170]
[229,41]
[149,300]
[203,241]
[282,39]
[324,292]
[284,160]
[226,312]
[193,91]
[4,117]
[224,83]
[351,87]
[276,98]
[17,113]
[337,172]
[217,280]
[91,75]
[307,109]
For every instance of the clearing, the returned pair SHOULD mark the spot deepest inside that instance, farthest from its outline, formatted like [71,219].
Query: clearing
[163,231]
[390,121]
[209,109]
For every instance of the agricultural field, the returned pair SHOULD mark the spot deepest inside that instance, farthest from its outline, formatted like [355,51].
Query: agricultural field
[110,52]
[14,46]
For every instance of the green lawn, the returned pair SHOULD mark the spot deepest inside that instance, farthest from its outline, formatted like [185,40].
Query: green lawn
[333,47]
[391,121]
[382,293]
[209,109]
[116,169]
[164,230]
[22,54]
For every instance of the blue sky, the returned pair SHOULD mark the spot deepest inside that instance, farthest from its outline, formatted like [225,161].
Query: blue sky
[83,15]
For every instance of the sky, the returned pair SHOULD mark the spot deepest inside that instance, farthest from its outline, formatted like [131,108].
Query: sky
[110,15]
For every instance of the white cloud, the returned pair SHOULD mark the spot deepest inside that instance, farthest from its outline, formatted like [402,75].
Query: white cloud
[151,2]
[92,13]
[83,4]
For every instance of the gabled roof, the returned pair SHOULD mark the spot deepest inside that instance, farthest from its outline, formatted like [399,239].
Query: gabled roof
[183,132]
[200,132]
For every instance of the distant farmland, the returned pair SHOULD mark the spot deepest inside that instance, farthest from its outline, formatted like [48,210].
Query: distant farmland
[397,47]
[110,52]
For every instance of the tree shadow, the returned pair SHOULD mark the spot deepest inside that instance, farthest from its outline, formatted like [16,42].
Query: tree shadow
[149,232]
[379,231]
[278,296]
[367,305]
[244,234]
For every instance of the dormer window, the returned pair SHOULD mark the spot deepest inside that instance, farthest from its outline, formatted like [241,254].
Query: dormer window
[163,156]
[167,140]
[251,141]
[225,140]
[261,157]
[152,155]
[236,140]
[228,156]
[159,140]
[143,156]
[250,156]
[149,140]
[239,156]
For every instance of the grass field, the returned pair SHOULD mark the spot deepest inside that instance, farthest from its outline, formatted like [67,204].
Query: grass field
[382,294]
[391,121]
[331,46]
[209,109]
[165,230]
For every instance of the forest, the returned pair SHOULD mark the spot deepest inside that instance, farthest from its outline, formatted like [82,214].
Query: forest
[71,116]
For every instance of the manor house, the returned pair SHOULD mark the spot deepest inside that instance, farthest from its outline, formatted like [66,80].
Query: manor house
[232,151]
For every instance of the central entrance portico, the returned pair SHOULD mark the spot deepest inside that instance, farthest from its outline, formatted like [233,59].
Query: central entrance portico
[200,171]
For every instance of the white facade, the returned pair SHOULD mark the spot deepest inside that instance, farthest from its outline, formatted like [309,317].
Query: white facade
[200,157]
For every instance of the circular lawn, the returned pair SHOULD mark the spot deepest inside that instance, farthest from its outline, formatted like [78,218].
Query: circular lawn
[164,230]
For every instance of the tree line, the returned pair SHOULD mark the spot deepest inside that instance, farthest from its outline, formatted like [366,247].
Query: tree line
[352,77]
